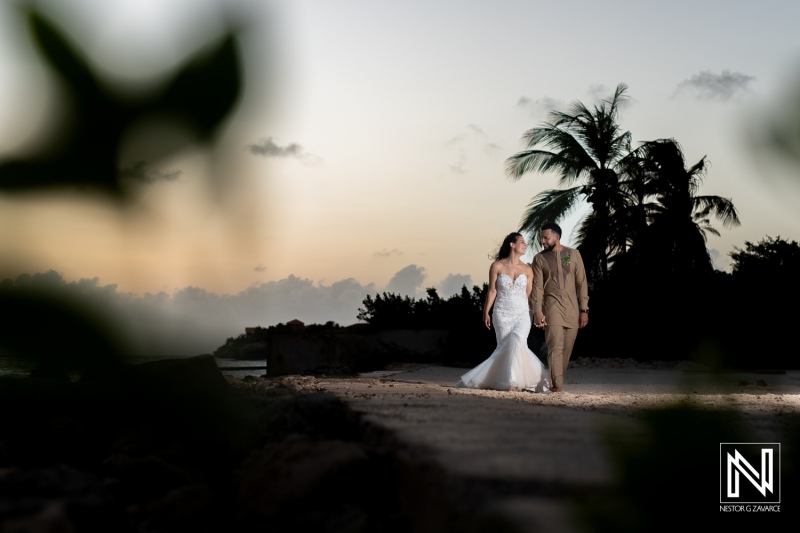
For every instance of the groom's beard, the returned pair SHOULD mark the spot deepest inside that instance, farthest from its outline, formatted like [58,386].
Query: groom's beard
[549,247]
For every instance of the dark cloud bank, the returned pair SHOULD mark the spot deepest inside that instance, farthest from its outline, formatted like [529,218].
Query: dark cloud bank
[193,320]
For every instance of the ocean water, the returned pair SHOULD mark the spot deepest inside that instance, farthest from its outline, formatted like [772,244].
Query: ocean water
[223,362]
[10,366]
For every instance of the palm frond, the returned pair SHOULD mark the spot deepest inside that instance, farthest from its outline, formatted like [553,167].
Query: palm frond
[540,134]
[576,109]
[619,96]
[570,160]
[541,161]
[552,205]
[700,168]
[722,208]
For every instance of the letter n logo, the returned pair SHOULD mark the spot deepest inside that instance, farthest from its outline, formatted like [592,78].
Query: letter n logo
[750,472]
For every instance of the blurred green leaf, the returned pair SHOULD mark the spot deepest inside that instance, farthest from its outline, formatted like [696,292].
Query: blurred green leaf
[205,91]
[199,97]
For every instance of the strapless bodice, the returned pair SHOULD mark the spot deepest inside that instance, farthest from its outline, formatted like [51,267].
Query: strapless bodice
[511,293]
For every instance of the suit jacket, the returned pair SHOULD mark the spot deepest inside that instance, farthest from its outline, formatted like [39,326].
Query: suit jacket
[560,289]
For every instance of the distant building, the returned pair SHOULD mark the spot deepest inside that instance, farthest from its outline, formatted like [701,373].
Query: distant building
[296,325]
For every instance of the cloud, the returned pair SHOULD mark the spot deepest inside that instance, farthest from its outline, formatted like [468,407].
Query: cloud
[491,148]
[260,268]
[600,94]
[458,166]
[139,172]
[460,143]
[452,284]
[407,281]
[458,139]
[719,261]
[476,129]
[598,91]
[388,253]
[193,320]
[267,147]
[541,106]
[709,86]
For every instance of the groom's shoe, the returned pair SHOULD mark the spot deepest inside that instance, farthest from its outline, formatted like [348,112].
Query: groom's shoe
[557,389]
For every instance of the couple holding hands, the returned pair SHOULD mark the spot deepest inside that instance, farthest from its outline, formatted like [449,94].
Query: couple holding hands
[554,290]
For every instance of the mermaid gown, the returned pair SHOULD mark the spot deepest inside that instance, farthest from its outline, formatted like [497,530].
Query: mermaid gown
[512,364]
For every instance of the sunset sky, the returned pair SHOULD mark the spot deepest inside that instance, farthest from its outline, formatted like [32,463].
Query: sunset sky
[367,152]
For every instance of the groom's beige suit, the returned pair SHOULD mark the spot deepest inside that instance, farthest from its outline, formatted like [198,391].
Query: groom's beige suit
[560,292]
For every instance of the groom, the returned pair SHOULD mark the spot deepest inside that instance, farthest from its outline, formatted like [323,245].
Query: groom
[559,299]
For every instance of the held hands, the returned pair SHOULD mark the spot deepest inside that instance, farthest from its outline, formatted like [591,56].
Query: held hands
[539,320]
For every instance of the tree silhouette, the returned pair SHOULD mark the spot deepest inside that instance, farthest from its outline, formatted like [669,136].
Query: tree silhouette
[670,233]
[460,314]
[587,148]
[771,258]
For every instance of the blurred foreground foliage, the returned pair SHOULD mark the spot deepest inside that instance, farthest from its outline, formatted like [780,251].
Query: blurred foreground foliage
[84,154]
[668,472]
[60,329]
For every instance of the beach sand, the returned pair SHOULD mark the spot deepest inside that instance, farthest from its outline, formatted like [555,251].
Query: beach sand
[605,384]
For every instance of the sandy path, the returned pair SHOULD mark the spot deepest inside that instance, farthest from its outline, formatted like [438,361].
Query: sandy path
[609,385]
[627,387]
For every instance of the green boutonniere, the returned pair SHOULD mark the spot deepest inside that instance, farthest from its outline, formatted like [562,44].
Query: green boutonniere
[565,260]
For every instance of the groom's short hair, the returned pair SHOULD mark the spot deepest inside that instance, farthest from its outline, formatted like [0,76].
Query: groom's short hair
[552,226]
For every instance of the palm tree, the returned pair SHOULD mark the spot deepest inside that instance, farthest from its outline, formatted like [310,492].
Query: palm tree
[587,148]
[678,222]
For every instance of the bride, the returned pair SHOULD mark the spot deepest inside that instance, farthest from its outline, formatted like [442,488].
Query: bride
[512,366]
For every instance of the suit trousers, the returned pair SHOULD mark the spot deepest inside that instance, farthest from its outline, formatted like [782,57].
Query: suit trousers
[560,341]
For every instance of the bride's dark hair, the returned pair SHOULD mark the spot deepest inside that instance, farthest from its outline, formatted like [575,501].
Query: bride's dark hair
[505,248]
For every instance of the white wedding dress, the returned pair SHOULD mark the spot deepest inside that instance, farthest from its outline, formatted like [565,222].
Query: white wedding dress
[512,364]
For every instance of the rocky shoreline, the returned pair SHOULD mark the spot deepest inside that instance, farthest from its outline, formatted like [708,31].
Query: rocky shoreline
[171,446]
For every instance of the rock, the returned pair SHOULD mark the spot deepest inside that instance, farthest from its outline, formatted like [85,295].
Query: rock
[74,444]
[186,508]
[190,389]
[147,477]
[291,476]
[57,499]
[50,372]
[232,380]
[761,383]
[51,518]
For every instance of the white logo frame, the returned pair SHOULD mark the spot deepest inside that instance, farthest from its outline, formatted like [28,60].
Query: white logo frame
[732,464]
